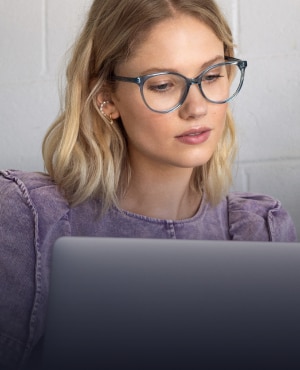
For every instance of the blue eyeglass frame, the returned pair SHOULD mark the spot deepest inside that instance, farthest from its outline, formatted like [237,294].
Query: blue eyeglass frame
[140,80]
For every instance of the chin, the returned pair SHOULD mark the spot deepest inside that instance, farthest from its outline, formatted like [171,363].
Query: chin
[196,161]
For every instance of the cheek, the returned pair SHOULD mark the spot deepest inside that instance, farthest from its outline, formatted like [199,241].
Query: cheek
[219,114]
[129,104]
[135,115]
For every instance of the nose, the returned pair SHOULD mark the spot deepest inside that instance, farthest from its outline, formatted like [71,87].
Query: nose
[195,105]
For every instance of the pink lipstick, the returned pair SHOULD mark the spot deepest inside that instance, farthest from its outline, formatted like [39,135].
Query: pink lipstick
[194,136]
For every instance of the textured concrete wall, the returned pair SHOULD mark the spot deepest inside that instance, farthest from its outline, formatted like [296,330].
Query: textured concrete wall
[35,34]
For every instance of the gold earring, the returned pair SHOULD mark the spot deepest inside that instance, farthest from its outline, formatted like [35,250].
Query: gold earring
[111,121]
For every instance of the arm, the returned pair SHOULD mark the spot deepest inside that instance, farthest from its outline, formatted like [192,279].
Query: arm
[18,236]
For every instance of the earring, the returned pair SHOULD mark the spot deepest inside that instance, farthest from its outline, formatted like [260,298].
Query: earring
[111,121]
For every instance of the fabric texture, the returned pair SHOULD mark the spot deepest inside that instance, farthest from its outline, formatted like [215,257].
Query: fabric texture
[34,214]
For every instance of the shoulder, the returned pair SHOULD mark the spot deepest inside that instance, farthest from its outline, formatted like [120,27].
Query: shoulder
[258,217]
[25,181]
[33,214]
[34,189]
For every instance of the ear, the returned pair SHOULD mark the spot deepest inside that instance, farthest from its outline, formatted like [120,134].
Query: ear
[110,109]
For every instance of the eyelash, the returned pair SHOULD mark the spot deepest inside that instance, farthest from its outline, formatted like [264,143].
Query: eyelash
[158,87]
[212,78]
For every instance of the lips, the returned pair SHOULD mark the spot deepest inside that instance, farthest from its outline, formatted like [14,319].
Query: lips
[194,132]
[194,136]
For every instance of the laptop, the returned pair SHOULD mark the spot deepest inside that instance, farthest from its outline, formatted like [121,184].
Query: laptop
[161,304]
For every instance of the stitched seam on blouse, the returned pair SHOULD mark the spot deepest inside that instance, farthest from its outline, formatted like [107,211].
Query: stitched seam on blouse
[229,219]
[33,315]
[270,221]
[170,229]
[199,214]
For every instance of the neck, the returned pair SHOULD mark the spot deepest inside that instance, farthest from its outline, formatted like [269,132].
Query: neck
[163,194]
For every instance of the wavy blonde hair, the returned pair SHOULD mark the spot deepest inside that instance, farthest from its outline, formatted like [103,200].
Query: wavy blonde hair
[84,154]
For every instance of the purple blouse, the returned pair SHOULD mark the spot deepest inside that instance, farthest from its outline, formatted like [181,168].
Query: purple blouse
[33,214]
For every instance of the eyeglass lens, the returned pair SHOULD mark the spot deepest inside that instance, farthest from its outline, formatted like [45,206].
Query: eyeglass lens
[166,91]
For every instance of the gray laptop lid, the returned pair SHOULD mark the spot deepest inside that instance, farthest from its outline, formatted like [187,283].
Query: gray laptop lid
[171,304]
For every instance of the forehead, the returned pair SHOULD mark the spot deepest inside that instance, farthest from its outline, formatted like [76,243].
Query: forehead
[178,44]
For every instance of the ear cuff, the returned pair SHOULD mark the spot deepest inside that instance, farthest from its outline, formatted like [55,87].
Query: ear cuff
[111,121]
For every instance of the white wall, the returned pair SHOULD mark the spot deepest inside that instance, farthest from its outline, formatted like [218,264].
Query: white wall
[35,34]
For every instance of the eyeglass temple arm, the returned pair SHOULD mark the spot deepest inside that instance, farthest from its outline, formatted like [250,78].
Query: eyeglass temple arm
[242,64]
[136,80]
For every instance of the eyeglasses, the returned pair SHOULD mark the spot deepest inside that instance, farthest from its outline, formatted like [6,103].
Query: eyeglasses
[163,92]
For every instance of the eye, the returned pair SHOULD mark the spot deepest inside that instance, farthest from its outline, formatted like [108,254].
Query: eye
[168,83]
[211,78]
[160,87]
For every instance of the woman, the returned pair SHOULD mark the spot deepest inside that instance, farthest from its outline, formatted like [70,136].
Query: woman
[143,148]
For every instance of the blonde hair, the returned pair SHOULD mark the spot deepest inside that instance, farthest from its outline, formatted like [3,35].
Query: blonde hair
[86,155]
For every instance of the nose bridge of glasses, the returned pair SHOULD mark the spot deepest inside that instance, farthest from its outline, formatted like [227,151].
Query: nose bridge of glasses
[194,81]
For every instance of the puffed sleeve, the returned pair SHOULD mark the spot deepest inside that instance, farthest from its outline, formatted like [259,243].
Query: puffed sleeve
[33,214]
[18,235]
[259,218]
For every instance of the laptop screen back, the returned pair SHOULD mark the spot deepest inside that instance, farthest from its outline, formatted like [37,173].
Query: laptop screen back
[170,304]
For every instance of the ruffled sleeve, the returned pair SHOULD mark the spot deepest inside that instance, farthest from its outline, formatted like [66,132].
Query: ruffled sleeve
[32,216]
[259,218]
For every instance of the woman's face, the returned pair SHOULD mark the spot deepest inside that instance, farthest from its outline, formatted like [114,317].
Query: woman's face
[188,136]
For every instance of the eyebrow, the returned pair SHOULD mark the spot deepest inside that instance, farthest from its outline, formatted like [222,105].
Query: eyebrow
[215,60]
